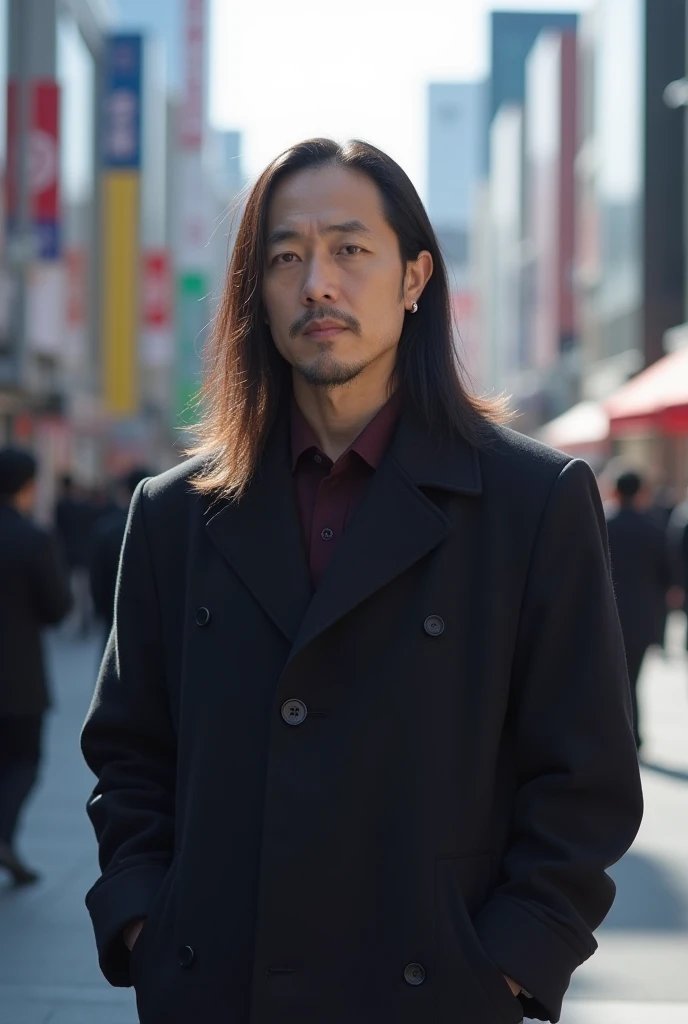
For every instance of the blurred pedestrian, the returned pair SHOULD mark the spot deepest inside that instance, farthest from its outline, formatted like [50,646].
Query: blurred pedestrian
[362,730]
[34,592]
[74,521]
[678,549]
[660,512]
[641,574]
[106,544]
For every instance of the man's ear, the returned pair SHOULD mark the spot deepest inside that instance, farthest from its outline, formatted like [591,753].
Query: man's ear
[417,275]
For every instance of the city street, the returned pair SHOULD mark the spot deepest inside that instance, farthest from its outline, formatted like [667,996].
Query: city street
[48,969]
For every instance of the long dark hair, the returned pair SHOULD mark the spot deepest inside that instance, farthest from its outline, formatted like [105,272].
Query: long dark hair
[245,374]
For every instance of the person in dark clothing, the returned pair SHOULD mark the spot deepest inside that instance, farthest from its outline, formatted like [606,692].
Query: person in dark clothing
[106,544]
[641,574]
[74,520]
[362,732]
[660,512]
[677,534]
[34,592]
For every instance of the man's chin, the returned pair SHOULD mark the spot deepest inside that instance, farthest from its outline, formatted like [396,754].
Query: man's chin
[335,375]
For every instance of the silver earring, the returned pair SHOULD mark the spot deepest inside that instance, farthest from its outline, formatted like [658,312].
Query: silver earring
[414,308]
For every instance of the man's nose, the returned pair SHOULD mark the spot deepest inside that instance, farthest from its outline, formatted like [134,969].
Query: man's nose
[319,284]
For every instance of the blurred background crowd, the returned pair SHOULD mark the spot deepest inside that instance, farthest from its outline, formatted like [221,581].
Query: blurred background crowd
[555,172]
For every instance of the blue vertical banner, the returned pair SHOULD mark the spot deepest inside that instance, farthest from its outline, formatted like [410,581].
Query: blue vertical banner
[121,140]
[120,219]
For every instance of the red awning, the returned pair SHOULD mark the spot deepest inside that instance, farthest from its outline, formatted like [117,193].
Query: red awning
[656,399]
[583,428]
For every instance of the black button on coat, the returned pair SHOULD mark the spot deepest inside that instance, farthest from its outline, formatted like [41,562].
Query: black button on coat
[446,811]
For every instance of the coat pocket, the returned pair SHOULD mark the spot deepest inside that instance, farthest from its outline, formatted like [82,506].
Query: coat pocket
[146,940]
[472,983]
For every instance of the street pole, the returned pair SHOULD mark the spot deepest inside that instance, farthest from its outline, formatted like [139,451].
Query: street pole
[19,246]
[31,42]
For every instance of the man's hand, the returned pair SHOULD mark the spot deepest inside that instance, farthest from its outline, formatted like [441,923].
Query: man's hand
[516,989]
[132,932]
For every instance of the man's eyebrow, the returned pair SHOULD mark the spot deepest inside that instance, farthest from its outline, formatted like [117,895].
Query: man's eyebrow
[347,227]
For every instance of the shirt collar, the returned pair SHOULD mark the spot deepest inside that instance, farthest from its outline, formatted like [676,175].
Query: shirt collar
[371,444]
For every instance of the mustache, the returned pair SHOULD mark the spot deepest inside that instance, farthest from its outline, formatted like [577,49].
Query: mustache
[323,313]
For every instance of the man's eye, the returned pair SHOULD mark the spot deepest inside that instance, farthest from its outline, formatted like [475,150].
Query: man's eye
[285,257]
[348,250]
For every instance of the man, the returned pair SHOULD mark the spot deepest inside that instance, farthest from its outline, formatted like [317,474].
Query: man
[106,545]
[34,592]
[660,511]
[362,730]
[641,574]
[678,549]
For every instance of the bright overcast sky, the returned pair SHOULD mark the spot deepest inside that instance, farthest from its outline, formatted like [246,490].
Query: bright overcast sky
[284,71]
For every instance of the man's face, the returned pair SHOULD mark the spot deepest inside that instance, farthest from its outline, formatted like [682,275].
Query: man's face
[333,279]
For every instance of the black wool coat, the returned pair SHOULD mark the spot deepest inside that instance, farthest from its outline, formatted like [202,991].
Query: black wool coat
[34,593]
[366,804]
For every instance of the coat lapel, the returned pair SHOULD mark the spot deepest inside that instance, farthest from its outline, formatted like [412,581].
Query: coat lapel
[395,526]
[261,538]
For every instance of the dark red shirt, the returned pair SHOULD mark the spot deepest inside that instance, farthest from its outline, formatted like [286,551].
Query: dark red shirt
[328,493]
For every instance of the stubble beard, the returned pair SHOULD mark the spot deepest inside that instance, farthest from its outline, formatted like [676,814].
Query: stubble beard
[327,373]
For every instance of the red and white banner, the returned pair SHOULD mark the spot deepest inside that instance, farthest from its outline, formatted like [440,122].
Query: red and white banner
[192,114]
[43,161]
[157,300]
[44,155]
[156,295]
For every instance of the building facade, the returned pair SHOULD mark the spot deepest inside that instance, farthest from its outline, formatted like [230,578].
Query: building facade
[456,168]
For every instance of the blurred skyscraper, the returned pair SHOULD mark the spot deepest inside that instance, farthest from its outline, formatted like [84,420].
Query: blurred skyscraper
[632,187]
[513,35]
[163,20]
[456,166]
[521,261]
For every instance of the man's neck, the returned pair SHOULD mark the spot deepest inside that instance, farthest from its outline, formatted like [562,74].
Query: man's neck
[338,415]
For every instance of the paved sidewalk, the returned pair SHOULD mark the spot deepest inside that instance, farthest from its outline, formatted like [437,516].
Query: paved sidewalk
[48,969]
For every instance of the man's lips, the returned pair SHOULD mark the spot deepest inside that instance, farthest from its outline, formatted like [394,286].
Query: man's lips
[324,329]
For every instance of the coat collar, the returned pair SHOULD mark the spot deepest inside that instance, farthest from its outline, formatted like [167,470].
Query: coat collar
[452,465]
[395,526]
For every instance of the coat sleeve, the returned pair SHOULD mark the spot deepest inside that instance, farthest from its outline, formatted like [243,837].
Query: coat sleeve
[578,803]
[129,742]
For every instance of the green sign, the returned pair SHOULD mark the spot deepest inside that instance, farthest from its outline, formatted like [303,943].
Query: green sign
[192,331]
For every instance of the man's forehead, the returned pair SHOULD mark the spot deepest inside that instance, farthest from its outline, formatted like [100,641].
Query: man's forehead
[324,197]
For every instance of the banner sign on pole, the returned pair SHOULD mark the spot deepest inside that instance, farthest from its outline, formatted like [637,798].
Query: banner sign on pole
[157,309]
[122,111]
[44,164]
[120,260]
[192,326]
[156,302]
